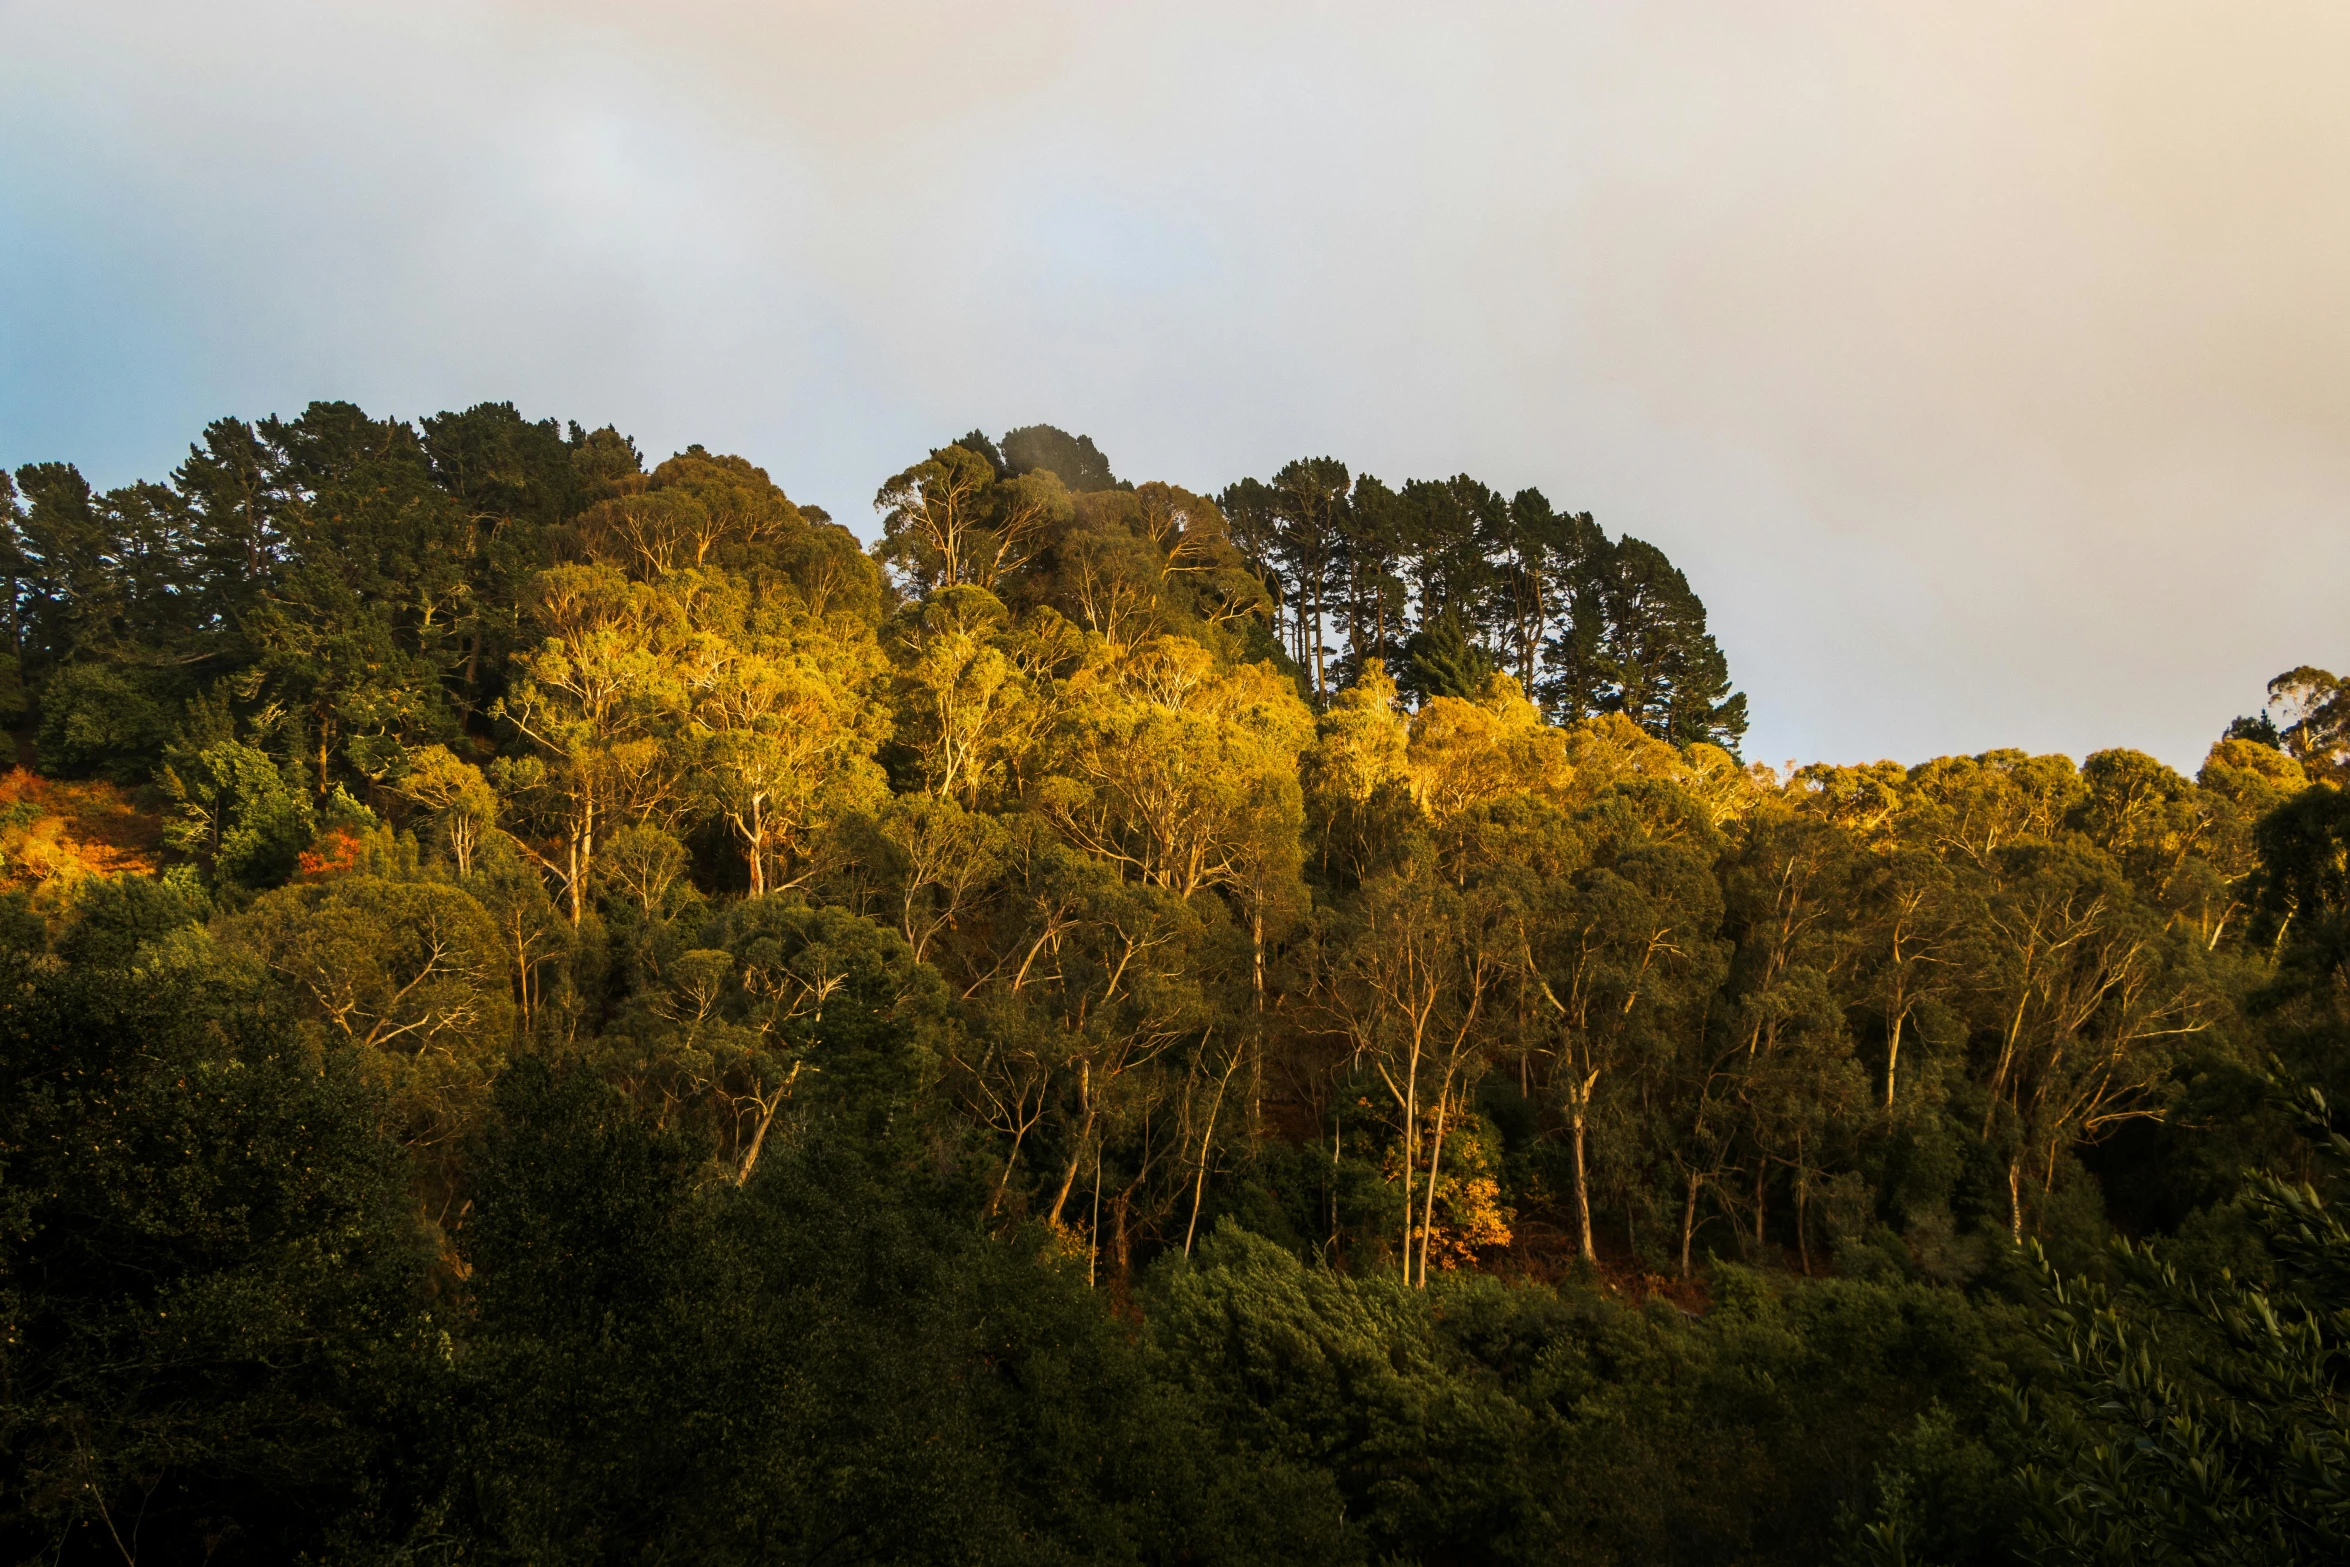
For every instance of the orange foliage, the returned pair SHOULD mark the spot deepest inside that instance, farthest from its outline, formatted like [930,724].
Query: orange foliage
[335,853]
[55,834]
[1471,1218]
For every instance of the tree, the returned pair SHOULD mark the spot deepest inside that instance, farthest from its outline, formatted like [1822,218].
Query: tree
[235,485]
[596,701]
[974,693]
[1374,538]
[2316,705]
[1357,778]
[1788,895]
[1621,951]
[2192,1417]
[1171,768]
[242,816]
[409,972]
[1637,645]
[786,725]
[2087,992]
[216,1343]
[1440,661]
[1310,496]
[2301,913]
[949,521]
[358,631]
[463,806]
[1408,989]
[1074,460]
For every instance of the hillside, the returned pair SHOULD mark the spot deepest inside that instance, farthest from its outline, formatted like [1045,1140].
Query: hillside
[563,1011]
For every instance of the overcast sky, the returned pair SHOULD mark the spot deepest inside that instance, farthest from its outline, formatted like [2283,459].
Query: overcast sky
[1986,366]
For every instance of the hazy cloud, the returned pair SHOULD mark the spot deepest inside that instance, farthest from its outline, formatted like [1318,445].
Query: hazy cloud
[1986,365]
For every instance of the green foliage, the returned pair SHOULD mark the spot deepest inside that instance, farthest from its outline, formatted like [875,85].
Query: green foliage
[1439,661]
[210,1279]
[2221,1440]
[827,1364]
[1561,1425]
[1073,459]
[115,918]
[1025,1043]
[101,721]
[242,817]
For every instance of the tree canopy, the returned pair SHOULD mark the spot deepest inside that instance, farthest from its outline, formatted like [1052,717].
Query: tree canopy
[562,1009]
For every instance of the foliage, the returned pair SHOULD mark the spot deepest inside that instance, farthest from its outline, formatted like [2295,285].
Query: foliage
[213,1293]
[1113,1025]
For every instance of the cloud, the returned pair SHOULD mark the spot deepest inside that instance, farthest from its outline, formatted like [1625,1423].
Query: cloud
[1983,364]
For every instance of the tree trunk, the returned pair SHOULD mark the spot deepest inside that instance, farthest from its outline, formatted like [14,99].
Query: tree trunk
[1435,1162]
[1077,1154]
[1582,1188]
[1411,1149]
[583,856]
[1199,1186]
[996,1198]
[1802,1204]
[1335,1127]
[1256,1085]
[1689,1220]
[766,1119]
[1093,1239]
[1893,1057]
[1121,1249]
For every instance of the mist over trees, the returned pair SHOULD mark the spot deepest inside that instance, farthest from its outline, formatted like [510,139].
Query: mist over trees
[559,1009]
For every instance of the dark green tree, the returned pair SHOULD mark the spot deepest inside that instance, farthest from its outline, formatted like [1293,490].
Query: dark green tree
[1636,643]
[213,1327]
[1077,462]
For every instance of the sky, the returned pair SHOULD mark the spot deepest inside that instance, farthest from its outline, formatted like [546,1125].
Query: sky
[1985,365]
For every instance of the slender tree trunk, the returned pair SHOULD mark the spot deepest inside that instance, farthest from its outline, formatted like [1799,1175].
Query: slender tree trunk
[1435,1163]
[1199,1185]
[996,1198]
[522,972]
[2015,1200]
[1689,1220]
[1411,1150]
[1084,1140]
[1256,1070]
[766,1119]
[582,857]
[1093,1238]
[1802,1205]
[2006,1059]
[1321,690]
[1893,1055]
[1578,1115]
[1335,1127]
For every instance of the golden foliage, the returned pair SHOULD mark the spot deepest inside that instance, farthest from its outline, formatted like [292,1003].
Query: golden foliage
[54,835]
[1465,754]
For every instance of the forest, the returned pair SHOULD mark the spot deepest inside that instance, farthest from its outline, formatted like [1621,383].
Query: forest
[559,1011]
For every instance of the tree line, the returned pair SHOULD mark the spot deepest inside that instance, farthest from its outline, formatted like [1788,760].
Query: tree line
[1276,1020]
